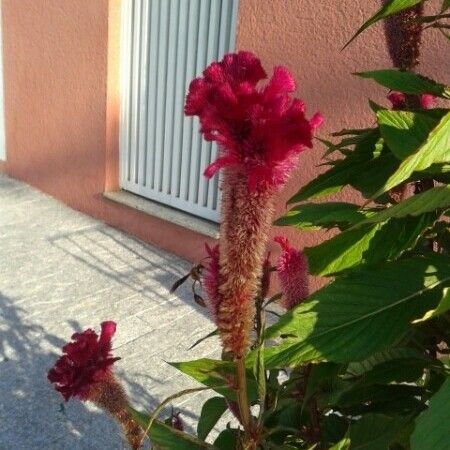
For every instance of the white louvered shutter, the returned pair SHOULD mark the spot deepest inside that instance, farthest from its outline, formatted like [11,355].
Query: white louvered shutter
[165,44]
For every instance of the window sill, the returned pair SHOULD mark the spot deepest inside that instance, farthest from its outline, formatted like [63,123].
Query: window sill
[164,212]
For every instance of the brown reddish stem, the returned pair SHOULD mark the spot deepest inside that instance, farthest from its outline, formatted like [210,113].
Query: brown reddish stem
[244,406]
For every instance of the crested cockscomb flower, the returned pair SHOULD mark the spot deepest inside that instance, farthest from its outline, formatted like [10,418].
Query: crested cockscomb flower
[260,131]
[399,100]
[84,371]
[85,361]
[292,269]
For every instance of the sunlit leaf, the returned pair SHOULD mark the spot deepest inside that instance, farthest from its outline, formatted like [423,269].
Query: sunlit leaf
[360,313]
[436,149]
[407,82]
[390,8]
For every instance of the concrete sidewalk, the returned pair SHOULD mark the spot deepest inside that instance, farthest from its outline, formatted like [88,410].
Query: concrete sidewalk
[60,272]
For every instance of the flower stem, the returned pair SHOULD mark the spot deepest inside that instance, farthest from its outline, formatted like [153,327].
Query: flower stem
[244,407]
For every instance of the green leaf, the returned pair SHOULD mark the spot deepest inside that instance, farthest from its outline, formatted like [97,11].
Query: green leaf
[313,216]
[227,439]
[215,374]
[213,333]
[360,313]
[334,179]
[344,444]
[437,198]
[333,428]
[407,82]
[359,368]
[368,244]
[405,131]
[168,438]
[376,432]
[436,149]
[443,307]
[390,399]
[432,426]
[399,370]
[445,5]
[212,411]
[393,7]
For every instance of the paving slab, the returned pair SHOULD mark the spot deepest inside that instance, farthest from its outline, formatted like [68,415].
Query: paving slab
[60,272]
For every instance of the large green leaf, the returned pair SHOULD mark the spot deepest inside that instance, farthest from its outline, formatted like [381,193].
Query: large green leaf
[433,425]
[378,359]
[313,216]
[445,5]
[437,198]
[227,439]
[168,438]
[397,370]
[390,8]
[375,432]
[215,374]
[369,244]
[389,399]
[212,411]
[360,313]
[436,149]
[407,82]
[406,131]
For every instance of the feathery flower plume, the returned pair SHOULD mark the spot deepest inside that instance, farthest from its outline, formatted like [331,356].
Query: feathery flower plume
[292,269]
[84,371]
[260,132]
[211,280]
[403,35]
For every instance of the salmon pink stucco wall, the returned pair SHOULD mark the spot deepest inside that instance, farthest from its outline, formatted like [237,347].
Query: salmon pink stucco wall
[61,73]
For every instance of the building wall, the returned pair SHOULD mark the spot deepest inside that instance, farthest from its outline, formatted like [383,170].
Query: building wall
[61,93]
[2,112]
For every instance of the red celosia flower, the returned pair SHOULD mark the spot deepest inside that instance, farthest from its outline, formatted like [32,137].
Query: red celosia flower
[211,279]
[260,130]
[292,268]
[86,361]
[398,100]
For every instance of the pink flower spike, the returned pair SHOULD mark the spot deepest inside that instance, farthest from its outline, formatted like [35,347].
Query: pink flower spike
[292,268]
[427,101]
[211,279]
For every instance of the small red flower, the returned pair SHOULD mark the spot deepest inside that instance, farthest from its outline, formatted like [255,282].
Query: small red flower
[85,361]
[292,268]
[398,100]
[260,130]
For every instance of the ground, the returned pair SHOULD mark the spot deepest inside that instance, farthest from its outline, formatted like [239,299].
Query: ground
[62,271]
